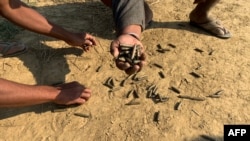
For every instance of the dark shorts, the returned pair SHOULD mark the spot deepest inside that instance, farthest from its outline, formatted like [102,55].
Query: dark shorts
[128,12]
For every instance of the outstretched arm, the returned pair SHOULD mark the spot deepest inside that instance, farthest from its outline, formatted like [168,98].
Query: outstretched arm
[130,19]
[24,16]
[14,94]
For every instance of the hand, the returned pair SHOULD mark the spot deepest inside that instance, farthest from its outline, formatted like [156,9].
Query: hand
[83,40]
[72,93]
[114,50]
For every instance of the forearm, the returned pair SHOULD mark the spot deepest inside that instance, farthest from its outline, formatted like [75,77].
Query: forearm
[14,94]
[20,14]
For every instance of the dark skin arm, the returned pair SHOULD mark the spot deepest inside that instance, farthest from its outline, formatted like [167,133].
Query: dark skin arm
[14,94]
[24,16]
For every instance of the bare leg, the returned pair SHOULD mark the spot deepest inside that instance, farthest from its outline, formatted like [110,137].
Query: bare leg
[148,14]
[199,17]
[201,11]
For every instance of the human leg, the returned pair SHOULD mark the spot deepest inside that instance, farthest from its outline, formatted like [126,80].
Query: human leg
[128,12]
[148,14]
[200,13]
[199,17]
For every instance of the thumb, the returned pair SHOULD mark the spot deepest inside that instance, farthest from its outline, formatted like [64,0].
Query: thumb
[114,48]
[88,43]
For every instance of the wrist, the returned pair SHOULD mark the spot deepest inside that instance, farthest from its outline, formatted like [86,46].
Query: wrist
[61,34]
[136,36]
[132,30]
[49,93]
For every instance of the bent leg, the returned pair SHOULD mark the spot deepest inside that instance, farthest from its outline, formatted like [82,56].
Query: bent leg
[131,12]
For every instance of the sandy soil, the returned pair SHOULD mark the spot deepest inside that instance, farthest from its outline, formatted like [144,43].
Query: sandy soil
[223,65]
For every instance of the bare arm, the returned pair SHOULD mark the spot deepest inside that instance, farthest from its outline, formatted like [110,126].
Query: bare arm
[14,94]
[24,16]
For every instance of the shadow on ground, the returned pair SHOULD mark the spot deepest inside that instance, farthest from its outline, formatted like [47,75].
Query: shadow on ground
[91,17]
[49,65]
[205,138]
[38,109]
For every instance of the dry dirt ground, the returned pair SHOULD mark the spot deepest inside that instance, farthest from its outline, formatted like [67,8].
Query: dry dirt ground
[223,65]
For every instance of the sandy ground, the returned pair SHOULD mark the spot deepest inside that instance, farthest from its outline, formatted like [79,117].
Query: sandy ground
[223,66]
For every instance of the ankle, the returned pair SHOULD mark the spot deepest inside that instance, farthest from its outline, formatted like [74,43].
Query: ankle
[198,16]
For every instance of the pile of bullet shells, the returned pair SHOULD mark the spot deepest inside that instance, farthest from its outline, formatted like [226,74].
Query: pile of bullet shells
[129,53]
[156,97]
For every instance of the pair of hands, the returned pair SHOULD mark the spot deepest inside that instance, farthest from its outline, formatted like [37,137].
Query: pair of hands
[74,92]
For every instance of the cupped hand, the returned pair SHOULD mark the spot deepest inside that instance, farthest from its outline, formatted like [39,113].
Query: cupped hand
[128,40]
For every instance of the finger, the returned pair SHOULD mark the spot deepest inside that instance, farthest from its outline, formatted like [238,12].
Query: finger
[90,39]
[122,65]
[86,93]
[86,96]
[86,90]
[132,70]
[88,43]
[142,49]
[86,48]
[142,61]
[93,41]
[114,48]
[143,56]
[80,101]
[141,64]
